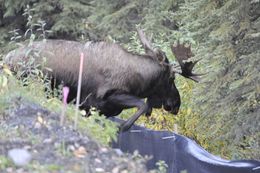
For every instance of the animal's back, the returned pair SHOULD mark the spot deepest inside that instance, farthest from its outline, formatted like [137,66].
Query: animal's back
[121,69]
[106,65]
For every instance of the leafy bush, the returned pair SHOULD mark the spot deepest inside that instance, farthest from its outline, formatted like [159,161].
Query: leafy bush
[227,102]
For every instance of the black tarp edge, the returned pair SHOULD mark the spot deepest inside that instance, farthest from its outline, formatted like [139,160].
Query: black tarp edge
[179,152]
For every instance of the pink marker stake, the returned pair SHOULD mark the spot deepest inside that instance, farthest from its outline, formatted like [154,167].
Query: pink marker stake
[79,90]
[65,93]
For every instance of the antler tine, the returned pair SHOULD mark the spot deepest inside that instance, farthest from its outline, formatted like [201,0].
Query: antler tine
[145,42]
[195,78]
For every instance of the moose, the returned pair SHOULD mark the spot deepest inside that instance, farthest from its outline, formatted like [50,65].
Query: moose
[114,79]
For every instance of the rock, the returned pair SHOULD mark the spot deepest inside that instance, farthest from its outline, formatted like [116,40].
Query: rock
[100,170]
[118,151]
[98,160]
[104,150]
[47,141]
[20,157]
[80,152]
[115,170]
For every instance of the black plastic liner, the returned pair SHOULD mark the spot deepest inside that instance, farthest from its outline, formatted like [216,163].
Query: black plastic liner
[179,152]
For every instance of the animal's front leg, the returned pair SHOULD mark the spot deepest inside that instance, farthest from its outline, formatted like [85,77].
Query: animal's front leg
[149,111]
[153,102]
[129,101]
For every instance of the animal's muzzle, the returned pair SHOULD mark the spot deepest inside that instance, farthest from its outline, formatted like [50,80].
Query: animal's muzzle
[167,108]
[171,109]
[175,111]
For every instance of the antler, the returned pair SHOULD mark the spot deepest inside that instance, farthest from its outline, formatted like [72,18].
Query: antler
[154,53]
[145,42]
[183,55]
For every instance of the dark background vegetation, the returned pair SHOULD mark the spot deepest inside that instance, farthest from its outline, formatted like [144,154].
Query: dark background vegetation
[222,113]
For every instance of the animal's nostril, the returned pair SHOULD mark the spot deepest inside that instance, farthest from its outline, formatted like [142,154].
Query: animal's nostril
[167,107]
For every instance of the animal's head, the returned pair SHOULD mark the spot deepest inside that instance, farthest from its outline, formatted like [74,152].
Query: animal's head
[168,96]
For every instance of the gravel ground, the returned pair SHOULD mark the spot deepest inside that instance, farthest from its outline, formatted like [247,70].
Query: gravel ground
[52,148]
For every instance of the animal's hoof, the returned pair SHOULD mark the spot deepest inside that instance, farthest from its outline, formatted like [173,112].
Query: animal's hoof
[148,114]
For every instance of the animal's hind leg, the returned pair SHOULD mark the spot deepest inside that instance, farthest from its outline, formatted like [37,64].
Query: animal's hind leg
[129,101]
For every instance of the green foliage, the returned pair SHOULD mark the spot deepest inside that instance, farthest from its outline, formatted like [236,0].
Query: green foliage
[184,171]
[64,18]
[5,162]
[38,167]
[81,19]
[162,166]
[98,127]
[12,7]
[3,83]
[227,102]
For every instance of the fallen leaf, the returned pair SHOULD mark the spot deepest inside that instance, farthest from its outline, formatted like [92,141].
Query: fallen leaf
[80,152]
